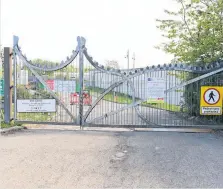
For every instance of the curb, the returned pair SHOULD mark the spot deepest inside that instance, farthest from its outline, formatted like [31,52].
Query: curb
[11,130]
[219,132]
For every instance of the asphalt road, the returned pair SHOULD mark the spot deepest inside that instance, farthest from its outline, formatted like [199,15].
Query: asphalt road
[94,159]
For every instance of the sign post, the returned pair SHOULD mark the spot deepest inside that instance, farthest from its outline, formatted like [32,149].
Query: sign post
[211,100]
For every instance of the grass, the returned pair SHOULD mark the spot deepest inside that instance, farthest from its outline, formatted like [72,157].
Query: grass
[34,116]
[28,117]
[6,125]
[121,98]
[164,106]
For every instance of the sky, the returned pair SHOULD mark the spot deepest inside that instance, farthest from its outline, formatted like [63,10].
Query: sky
[48,29]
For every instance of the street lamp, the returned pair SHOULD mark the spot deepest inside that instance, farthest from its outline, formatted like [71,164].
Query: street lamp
[127,57]
[133,58]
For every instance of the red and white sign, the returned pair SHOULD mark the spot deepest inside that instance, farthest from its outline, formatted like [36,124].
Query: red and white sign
[211,96]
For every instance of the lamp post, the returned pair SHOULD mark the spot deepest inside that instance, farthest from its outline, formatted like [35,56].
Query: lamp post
[127,57]
[134,59]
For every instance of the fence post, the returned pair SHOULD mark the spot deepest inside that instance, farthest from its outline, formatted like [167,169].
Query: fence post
[8,82]
[81,78]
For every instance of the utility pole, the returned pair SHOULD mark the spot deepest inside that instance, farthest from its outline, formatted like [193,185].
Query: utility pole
[127,57]
[134,59]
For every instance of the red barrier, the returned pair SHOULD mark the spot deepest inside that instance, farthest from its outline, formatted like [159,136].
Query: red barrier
[87,100]
[74,99]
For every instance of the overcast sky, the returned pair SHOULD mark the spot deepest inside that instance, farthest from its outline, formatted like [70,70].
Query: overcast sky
[48,28]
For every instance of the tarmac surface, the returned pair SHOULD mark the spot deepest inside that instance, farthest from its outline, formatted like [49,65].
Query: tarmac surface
[45,158]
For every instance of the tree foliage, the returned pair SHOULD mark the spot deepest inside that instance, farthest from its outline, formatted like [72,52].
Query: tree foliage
[44,62]
[194,32]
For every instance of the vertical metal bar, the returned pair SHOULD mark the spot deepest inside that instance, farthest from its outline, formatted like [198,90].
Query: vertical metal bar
[166,95]
[81,80]
[8,81]
[15,79]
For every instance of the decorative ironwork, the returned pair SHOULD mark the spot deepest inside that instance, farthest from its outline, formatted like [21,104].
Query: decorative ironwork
[180,77]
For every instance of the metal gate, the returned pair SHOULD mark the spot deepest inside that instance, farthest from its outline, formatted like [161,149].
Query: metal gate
[80,91]
[43,89]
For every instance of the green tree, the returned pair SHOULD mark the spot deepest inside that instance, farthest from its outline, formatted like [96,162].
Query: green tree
[72,69]
[194,33]
[44,62]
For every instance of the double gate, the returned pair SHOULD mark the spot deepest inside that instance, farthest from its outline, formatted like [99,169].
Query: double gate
[80,91]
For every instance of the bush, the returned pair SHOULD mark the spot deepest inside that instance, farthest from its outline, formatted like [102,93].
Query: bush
[192,95]
[24,93]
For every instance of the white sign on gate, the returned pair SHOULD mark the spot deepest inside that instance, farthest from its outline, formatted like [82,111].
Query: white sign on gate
[65,86]
[156,88]
[36,105]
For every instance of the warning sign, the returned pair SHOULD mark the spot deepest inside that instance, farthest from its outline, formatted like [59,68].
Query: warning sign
[156,88]
[211,100]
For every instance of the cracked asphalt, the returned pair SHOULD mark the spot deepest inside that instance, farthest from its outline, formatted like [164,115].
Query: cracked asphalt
[96,159]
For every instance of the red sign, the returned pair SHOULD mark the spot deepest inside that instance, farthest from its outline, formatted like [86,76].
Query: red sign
[50,84]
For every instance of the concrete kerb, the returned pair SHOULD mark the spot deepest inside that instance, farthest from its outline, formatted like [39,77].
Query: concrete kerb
[10,130]
[118,129]
[218,132]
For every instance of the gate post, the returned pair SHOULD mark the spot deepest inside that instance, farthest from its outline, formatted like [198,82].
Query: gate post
[81,44]
[15,77]
[8,82]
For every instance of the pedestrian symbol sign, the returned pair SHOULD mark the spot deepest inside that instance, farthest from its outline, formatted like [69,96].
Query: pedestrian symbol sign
[212,96]
[211,100]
